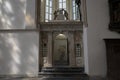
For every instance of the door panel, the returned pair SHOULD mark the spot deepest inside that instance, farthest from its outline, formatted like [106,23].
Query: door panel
[60,57]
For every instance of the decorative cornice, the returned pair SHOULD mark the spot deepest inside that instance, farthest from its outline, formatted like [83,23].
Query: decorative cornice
[61,25]
[59,22]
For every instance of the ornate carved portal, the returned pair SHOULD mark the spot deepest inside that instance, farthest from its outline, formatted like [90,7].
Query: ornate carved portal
[62,48]
[61,35]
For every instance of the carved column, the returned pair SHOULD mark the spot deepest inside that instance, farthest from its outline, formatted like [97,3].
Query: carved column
[72,59]
[49,56]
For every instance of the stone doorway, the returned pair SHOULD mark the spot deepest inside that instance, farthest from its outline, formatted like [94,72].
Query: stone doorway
[60,54]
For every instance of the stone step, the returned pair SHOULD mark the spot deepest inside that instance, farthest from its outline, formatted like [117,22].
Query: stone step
[63,73]
[63,69]
[65,78]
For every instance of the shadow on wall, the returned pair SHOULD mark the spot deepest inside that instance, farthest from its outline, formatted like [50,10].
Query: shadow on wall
[30,14]
[19,53]
[13,14]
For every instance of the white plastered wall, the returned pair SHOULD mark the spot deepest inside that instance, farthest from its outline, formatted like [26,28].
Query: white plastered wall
[18,49]
[19,53]
[94,33]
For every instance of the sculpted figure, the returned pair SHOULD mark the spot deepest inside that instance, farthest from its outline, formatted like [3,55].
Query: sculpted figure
[60,12]
[66,14]
[55,15]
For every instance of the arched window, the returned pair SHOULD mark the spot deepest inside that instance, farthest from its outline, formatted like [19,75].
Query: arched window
[62,4]
[48,11]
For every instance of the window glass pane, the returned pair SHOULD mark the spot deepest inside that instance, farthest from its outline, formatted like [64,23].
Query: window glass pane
[60,0]
[47,3]
[51,10]
[47,9]
[73,1]
[74,16]
[60,5]
[73,9]
[50,3]
[64,5]
[73,5]
[46,17]
[50,17]
[64,0]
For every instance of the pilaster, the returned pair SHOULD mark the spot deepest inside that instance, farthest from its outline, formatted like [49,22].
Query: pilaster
[72,58]
[49,56]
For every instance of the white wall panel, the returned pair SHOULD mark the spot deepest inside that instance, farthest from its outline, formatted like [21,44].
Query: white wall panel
[30,14]
[12,14]
[19,53]
[98,21]
[17,14]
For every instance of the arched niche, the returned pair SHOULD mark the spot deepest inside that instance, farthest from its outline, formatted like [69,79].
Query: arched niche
[60,54]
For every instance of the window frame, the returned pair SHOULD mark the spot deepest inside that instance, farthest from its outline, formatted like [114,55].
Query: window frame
[62,2]
[74,10]
[48,10]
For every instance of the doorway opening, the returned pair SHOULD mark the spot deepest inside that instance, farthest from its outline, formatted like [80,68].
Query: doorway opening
[60,54]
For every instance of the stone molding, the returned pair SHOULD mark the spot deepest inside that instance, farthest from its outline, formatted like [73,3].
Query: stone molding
[61,26]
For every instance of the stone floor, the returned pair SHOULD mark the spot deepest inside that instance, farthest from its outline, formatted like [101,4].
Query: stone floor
[44,78]
[54,78]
